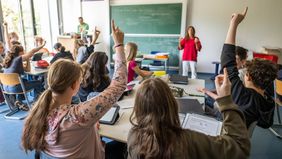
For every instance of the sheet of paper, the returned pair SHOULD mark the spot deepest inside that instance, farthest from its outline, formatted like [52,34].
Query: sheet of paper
[202,124]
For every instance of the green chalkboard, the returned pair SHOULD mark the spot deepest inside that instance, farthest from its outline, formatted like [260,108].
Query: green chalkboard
[148,44]
[148,19]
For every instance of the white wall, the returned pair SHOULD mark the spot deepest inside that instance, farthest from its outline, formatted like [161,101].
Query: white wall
[262,26]
[97,13]
[71,12]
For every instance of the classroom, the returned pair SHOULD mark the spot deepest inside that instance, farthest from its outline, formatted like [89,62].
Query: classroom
[130,79]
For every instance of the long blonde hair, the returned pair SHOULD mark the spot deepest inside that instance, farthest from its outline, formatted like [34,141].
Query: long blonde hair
[132,52]
[62,74]
[155,121]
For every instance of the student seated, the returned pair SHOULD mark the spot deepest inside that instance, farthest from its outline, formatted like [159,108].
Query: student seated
[157,133]
[252,99]
[84,51]
[61,53]
[39,41]
[13,63]
[95,77]
[241,59]
[61,130]
[132,67]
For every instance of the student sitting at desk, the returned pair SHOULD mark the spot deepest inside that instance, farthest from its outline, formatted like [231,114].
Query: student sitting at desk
[82,51]
[61,53]
[95,76]
[39,41]
[252,98]
[133,68]
[241,59]
[157,133]
[61,130]
[13,63]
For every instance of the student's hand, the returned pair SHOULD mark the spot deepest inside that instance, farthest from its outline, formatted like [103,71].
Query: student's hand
[196,40]
[96,33]
[43,44]
[150,74]
[223,84]
[180,39]
[202,90]
[118,35]
[237,18]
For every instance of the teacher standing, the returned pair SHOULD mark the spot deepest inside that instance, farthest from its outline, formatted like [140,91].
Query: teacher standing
[191,45]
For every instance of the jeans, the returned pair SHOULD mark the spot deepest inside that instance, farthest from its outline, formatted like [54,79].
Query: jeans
[36,85]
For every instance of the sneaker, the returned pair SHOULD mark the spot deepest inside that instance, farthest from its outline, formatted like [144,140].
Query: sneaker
[22,106]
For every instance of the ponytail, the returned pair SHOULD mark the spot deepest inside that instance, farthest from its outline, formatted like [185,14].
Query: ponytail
[35,124]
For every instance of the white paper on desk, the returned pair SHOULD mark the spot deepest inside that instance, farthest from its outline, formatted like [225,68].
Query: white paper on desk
[202,124]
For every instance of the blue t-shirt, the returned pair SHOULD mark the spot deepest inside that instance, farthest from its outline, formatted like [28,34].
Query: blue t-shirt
[16,66]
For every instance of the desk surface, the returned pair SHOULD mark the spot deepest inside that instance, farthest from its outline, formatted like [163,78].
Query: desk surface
[119,131]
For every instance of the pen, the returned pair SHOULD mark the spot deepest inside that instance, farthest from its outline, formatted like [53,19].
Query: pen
[196,95]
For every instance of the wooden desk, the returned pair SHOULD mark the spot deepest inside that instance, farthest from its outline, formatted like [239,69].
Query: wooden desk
[120,130]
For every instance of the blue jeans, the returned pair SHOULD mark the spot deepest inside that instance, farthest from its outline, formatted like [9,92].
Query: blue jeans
[36,85]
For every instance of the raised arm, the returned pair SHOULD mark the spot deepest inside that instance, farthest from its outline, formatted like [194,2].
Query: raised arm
[89,112]
[6,35]
[234,141]
[236,19]
[228,58]
[29,54]
[95,35]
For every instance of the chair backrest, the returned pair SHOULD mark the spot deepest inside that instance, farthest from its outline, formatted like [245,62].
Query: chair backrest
[9,79]
[278,85]
[273,58]
[251,128]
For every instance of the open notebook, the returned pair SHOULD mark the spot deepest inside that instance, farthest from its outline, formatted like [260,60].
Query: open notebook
[200,123]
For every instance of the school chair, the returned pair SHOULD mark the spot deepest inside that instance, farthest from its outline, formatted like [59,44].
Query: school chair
[278,103]
[273,58]
[12,79]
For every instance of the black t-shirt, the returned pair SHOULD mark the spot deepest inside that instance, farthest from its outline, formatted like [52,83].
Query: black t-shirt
[65,54]
[254,106]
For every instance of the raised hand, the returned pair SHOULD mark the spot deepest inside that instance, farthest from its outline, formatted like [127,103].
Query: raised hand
[118,35]
[43,44]
[202,90]
[196,40]
[223,84]
[180,39]
[237,18]
[96,33]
